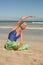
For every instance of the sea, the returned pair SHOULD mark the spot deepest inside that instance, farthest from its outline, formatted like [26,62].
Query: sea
[34,29]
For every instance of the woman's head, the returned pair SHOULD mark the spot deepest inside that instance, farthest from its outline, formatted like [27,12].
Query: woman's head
[23,26]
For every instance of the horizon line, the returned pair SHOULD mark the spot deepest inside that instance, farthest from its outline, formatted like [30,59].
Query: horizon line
[24,21]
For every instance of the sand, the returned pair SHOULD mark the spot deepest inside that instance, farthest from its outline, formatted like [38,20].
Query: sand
[31,56]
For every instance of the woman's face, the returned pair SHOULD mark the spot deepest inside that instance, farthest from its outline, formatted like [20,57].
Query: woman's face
[23,26]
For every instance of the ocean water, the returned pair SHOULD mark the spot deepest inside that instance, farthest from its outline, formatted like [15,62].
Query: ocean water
[34,30]
[2,23]
[29,24]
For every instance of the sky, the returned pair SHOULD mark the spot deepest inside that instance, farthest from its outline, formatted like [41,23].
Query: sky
[14,9]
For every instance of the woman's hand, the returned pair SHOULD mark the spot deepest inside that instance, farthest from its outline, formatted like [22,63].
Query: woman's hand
[32,16]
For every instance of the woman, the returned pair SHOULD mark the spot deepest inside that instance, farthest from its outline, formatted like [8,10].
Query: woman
[16,34]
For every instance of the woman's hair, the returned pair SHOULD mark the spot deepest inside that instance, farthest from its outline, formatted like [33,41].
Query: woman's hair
[23,25]
[20,24]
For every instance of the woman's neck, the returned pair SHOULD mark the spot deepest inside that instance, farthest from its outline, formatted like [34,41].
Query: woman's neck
[18,30]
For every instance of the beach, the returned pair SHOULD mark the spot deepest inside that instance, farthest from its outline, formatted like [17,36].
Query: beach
[26,57]
[21,11]
[32,56]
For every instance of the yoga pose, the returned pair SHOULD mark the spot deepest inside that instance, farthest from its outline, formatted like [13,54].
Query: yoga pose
[15,34]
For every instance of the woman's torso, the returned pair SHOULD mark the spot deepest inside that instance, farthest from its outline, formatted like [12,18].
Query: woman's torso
[14,35]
